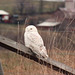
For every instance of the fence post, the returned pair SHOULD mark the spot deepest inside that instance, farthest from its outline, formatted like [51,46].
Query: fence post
[1,70]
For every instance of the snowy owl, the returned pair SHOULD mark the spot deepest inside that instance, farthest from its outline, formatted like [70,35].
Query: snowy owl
[34,41]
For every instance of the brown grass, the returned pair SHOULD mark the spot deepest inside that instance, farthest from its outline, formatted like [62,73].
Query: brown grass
[60,47]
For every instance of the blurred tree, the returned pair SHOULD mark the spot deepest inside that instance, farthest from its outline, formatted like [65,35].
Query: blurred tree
[55,6]
[26,7]
[41,6]
[31,10]
[21,6]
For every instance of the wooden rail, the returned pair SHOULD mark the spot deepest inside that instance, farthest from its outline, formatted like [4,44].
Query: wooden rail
[22,50]
[1,70]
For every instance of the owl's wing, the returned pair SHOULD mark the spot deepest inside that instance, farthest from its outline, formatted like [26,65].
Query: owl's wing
[35,38]
[36,44]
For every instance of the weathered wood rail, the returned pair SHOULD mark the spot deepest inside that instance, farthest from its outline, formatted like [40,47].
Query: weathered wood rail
[1,69]
[22,50]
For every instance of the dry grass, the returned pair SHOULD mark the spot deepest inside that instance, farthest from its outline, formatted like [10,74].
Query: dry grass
[60,47]
[14,64]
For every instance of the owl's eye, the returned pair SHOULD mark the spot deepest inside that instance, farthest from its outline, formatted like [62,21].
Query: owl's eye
[30,28]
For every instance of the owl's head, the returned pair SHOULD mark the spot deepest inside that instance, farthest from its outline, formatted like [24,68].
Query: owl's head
[30,28]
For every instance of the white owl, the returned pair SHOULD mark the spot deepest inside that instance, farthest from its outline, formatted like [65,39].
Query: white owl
[34,41]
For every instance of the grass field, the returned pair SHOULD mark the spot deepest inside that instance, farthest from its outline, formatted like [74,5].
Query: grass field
[59,48]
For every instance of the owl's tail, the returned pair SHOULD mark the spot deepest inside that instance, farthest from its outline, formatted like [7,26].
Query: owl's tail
[44,54]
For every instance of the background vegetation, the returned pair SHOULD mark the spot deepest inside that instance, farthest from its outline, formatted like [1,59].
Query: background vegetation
[25,6]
